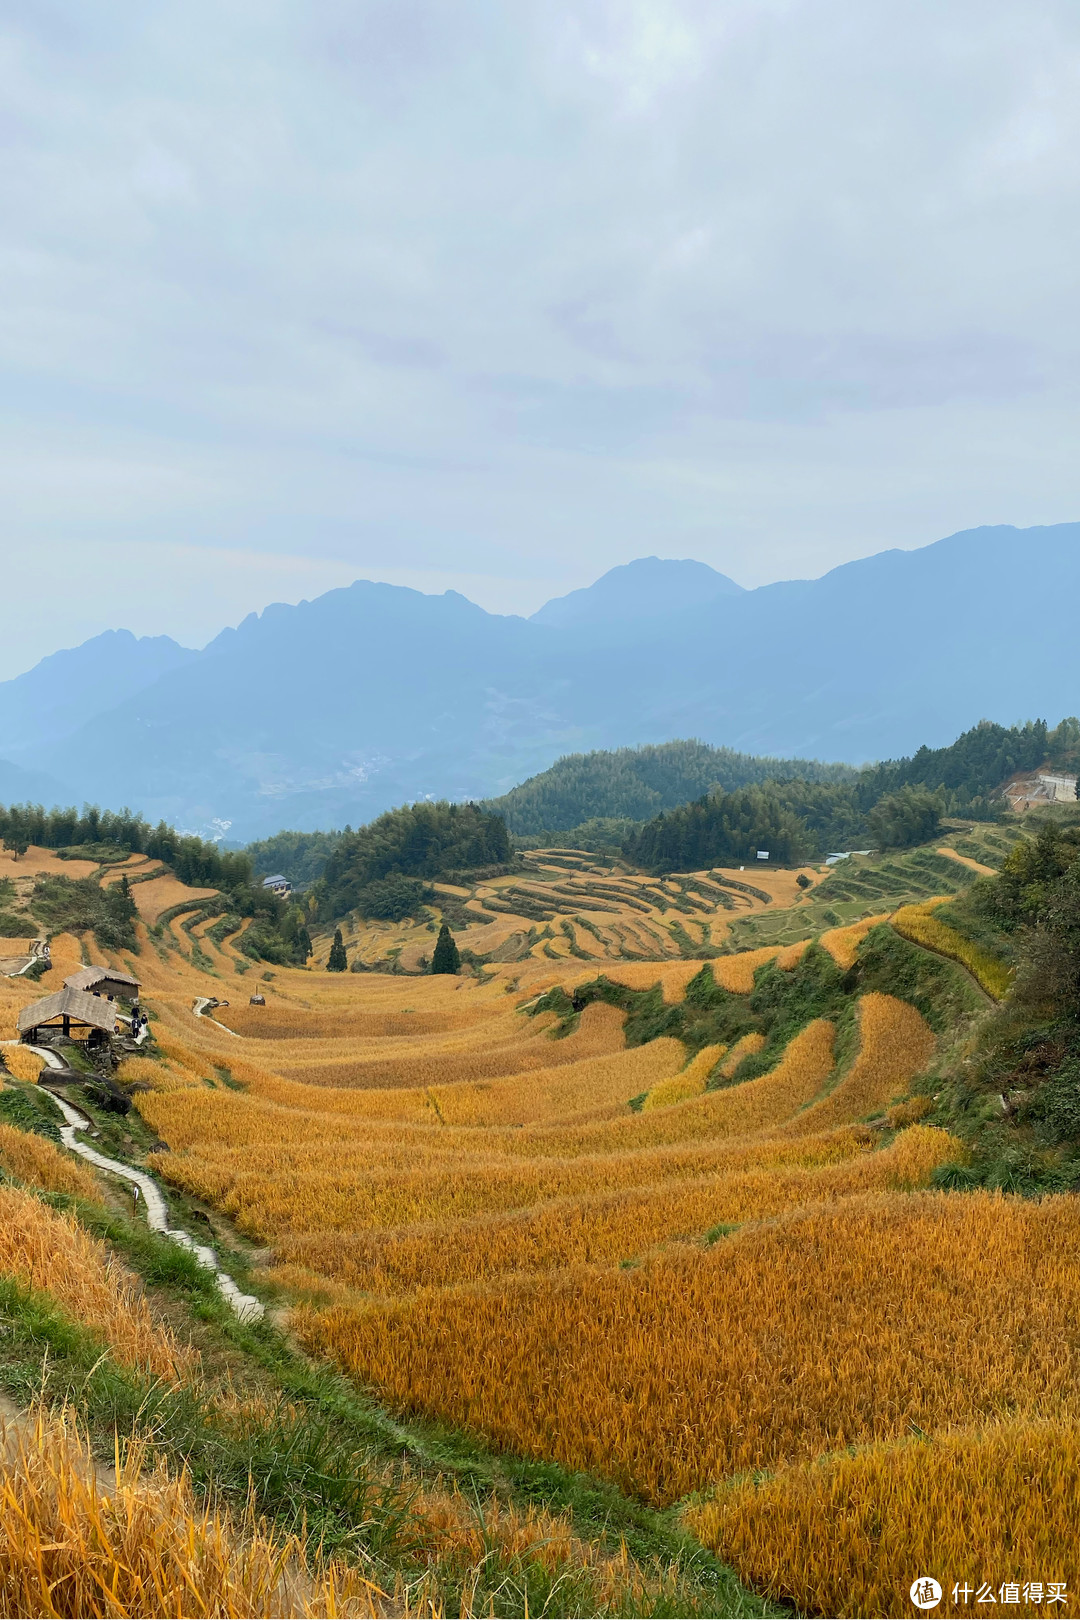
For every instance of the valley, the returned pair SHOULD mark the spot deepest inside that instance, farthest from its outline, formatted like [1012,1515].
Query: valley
[609,1249]
[539,857]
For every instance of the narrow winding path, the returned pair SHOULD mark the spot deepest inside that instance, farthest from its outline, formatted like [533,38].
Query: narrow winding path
[246,1306]
[199,1009]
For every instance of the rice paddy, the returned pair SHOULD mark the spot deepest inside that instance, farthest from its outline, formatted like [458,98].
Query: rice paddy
[41,1248]
[573,908]
[1000,1498]
[73,1542]
[742,1295]
[35,1162]
[921,924]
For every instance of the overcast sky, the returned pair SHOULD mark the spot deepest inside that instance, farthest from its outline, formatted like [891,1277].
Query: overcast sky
[496,294]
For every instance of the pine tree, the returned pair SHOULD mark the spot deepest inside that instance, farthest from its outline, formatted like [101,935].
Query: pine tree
[447,957]
[338,961]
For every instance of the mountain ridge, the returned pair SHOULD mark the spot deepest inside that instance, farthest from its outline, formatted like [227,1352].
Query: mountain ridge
[70,686]
[373,695]
[635,591]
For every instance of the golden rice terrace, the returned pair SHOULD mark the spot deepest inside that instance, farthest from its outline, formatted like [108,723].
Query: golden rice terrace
[656,1191]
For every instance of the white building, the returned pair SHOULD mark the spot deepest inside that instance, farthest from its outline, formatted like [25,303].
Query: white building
[1061,788]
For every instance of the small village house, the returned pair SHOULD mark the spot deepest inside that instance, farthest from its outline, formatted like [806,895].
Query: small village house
[103,981]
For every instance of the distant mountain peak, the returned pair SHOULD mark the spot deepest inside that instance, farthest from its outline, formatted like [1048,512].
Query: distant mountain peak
[418,694]
[639,590]
[69,687]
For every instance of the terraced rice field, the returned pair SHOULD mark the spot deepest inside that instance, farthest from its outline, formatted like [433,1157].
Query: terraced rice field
[567,906]
[571,906]
[741,1295]
[38,1244]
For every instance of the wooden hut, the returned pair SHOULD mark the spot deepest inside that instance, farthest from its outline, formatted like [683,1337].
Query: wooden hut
[103,981]
[67,1008]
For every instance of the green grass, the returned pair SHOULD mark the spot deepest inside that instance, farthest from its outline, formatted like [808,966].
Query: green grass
[29,1109]
[862,886]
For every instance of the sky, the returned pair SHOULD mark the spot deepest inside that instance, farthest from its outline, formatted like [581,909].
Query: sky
[493,297]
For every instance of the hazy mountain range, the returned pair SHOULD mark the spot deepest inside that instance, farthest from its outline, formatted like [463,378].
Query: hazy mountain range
[369,696]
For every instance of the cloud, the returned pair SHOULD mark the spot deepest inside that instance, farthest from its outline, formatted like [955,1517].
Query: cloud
[508,295]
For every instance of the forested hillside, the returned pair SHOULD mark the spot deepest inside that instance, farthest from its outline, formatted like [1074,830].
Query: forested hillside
[977,763]
[299,856]
[795,809]
[379,869]
[640,782]
[807,669]
[678,806]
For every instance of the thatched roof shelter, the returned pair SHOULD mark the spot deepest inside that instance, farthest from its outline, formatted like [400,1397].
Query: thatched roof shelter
[71,1007]
[103,981]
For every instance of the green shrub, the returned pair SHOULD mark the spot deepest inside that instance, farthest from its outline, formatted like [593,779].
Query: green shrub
[78,905]
[394,898]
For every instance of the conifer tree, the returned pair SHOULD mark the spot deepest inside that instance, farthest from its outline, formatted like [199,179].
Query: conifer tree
[338,961]
[447,957]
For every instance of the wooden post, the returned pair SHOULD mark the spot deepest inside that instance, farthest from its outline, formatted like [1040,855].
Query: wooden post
[67,1025]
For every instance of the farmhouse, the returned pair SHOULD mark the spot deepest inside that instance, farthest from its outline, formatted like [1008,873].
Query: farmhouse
[278,884]
[103,981]
[66,1007]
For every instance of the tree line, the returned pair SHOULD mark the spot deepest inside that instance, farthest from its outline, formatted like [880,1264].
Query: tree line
[194,860]
[278,932]
[892,805]
[791,823]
